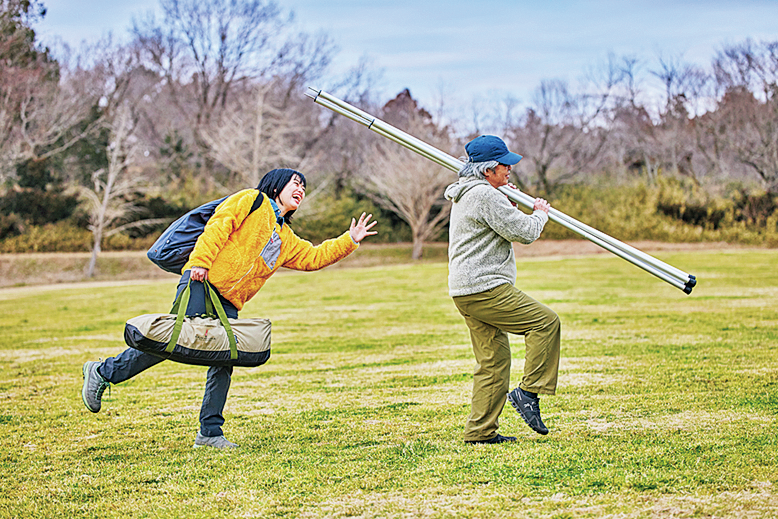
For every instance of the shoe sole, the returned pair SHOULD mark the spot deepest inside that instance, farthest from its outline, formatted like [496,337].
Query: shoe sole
[229,445]
[227,448]
[83,387]
[517,407]
[484,442]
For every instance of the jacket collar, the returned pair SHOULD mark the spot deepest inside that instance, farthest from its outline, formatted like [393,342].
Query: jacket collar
[279,218]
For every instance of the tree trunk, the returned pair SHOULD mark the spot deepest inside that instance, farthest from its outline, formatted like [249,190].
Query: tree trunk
[544,184]
[95,252]
[418,246]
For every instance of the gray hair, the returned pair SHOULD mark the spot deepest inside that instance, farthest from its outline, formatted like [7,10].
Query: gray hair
[477,169]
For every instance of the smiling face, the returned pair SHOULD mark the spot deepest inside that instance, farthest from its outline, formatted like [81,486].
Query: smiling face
[290,198]
[499,177]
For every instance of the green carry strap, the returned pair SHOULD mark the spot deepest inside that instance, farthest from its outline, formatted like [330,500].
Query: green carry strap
[211,302]
[217,304]
[179,307]
[177,302]
[208,304]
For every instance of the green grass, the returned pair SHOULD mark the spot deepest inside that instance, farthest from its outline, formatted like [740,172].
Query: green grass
[666,405]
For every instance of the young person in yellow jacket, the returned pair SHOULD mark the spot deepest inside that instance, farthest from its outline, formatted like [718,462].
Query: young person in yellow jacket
[237,252]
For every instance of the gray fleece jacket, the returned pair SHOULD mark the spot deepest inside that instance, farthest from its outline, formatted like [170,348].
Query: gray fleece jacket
[483,226]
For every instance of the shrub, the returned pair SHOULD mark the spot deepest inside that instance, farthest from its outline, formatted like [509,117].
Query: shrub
[689,204]
[123,241]
[64,237]
[754,208]
[668,212]
[52,237]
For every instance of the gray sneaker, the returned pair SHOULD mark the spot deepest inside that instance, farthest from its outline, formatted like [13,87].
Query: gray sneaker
[94,386]
[217,442]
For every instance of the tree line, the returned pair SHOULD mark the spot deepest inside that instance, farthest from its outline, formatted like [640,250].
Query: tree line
[117,138]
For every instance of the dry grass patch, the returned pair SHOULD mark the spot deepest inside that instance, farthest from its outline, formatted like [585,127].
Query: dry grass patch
[488,503]
[689,421]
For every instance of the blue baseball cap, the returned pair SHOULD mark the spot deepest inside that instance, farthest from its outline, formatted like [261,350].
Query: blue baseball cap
[488,147]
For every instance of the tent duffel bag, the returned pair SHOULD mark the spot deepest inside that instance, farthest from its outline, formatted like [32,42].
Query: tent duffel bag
[203,340]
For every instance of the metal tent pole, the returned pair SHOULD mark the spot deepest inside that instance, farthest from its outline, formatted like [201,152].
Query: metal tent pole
[658,268]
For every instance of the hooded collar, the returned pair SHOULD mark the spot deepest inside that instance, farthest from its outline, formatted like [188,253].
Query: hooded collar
[455,191]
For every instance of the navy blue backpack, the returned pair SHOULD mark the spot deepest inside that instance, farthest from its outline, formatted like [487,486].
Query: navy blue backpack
[172,249]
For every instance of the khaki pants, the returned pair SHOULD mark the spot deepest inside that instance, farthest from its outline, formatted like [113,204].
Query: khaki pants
[489,315]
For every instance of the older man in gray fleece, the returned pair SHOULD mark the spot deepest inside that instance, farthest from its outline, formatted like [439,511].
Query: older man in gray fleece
[482,273]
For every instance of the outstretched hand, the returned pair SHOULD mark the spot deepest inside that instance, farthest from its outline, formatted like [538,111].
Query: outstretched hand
[360,229]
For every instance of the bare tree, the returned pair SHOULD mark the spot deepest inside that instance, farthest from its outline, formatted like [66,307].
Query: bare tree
[109,200]
[48,108]
[51,115]
[342,147]
[120,86]
[708,127]
[250,135]
[412,188]
[265,124]
[24,68]
[104,201]
[634,137]
[404,183]
[16,83]
[675,141]
[749,74]
[204,49]
[561,134]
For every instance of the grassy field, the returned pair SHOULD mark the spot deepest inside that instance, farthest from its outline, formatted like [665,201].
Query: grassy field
[666,405]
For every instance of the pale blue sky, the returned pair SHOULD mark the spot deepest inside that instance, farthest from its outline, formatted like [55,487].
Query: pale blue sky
[479,48]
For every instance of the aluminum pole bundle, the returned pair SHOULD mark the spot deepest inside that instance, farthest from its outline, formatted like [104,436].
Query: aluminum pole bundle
[650,264]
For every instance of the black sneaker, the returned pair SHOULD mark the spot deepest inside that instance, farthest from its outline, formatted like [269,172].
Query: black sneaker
[497,439]
[94,386]
[529,409]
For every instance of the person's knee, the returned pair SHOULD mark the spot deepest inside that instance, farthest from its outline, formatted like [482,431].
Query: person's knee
[550,322]
[556,323]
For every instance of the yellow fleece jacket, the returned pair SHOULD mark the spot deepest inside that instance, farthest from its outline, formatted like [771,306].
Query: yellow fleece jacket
[241,250]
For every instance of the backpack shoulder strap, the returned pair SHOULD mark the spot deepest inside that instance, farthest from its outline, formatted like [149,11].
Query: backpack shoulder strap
[257,202]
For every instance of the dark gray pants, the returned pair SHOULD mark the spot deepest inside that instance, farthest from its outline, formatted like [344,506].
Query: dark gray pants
[131,362]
